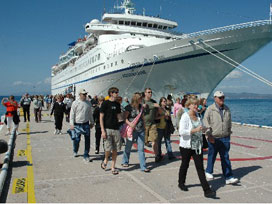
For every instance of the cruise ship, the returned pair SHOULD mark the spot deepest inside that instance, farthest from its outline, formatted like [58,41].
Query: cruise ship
[132,52]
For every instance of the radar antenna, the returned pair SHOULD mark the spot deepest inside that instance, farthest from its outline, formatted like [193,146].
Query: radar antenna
[128,6]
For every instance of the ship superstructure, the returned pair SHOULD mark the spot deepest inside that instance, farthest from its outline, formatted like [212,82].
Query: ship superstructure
[132,52]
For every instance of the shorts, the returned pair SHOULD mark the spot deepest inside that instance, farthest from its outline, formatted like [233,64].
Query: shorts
[151,133]
[113,141]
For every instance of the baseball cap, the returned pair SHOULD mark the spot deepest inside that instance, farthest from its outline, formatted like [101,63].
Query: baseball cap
[218,94]
[82,91]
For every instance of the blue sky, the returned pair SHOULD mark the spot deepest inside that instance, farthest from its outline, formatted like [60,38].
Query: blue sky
[33,33]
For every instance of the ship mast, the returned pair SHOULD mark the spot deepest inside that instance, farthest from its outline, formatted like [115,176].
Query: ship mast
[128,6]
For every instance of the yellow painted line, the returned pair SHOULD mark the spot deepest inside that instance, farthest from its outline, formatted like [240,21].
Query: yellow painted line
[30,174]
[21,153]
[19,185]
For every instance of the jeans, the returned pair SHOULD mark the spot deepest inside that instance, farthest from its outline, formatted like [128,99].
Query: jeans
[140,137]
[221,145]
[86,128]
[167,141]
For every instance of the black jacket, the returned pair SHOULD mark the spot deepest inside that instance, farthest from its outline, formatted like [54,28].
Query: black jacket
[58,108]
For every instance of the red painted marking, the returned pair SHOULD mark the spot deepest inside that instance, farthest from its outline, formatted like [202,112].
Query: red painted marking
[232,159]
[250,138]
[241,145]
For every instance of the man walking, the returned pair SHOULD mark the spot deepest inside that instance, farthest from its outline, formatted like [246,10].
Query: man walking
[25,103]
[110,114]
[81,118]
[218,121]
[150,112]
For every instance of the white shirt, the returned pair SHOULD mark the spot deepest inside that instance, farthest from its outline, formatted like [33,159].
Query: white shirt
[185,127]
[81,112]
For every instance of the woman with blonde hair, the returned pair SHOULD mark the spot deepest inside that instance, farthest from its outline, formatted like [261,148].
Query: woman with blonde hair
[132,111]
[191,142]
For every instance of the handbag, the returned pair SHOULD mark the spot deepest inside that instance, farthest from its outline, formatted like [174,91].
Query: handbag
[127,131]
[205,142]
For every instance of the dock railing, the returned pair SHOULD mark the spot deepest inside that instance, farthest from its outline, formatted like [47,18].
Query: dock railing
[228,28]
[7,159]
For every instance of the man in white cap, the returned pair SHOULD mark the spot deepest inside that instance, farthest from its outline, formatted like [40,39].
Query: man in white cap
[218,121]
[81,118]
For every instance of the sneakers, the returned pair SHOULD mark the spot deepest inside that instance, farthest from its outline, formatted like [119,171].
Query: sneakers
[210,194]
[75,154]
[87,159]
[96,151]
[208,176]
[8,133]
[59,132]
[56,132]
[232,181]
[17,133]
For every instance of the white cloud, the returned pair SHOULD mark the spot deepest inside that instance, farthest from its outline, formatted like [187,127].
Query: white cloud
[234,75]
[21,83]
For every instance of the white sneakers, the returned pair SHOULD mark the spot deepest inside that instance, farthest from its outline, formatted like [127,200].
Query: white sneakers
[8,133]
[57,132]
[232,181]
[228,181]
[208,176]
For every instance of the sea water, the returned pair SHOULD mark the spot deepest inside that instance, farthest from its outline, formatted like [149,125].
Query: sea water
[251,111]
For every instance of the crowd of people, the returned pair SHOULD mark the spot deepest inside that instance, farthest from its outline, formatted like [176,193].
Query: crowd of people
[119,122]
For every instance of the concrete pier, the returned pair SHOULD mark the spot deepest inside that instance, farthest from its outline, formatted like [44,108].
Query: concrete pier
[44,171]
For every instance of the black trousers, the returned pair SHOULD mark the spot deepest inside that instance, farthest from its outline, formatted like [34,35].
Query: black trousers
[186,155]
[58,121]
[68,115]
[97,137]
[26,112]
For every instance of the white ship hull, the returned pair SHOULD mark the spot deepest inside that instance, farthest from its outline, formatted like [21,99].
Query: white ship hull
[172,67]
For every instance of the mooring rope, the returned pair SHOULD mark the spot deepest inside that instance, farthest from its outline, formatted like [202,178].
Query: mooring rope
[238,65]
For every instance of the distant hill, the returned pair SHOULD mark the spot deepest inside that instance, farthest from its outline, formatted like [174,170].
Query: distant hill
[245,95]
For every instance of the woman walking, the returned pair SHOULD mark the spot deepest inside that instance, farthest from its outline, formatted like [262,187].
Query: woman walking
[190,131]
[163,129]
[58,109]
[11,114]
[96,115]
[132,111]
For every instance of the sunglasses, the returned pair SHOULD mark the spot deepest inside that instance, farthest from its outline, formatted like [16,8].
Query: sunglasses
[221,97]
[116,92]
[149,92]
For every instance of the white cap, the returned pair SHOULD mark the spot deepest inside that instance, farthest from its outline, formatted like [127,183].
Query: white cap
[82,91]
[218,94]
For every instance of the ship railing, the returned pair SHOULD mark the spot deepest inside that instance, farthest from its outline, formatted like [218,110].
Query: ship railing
[228,28]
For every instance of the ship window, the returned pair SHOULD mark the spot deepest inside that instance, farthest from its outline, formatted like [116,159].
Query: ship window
[127,22]
[98,58]
[115,63]
[133,23]
[139,24]
[155,26]
[111,64]
[104,66]
[122,61]
[92,59]
[144,24]
[150,25]
[164,27]
[121,22]
[160,27]
[114,22]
